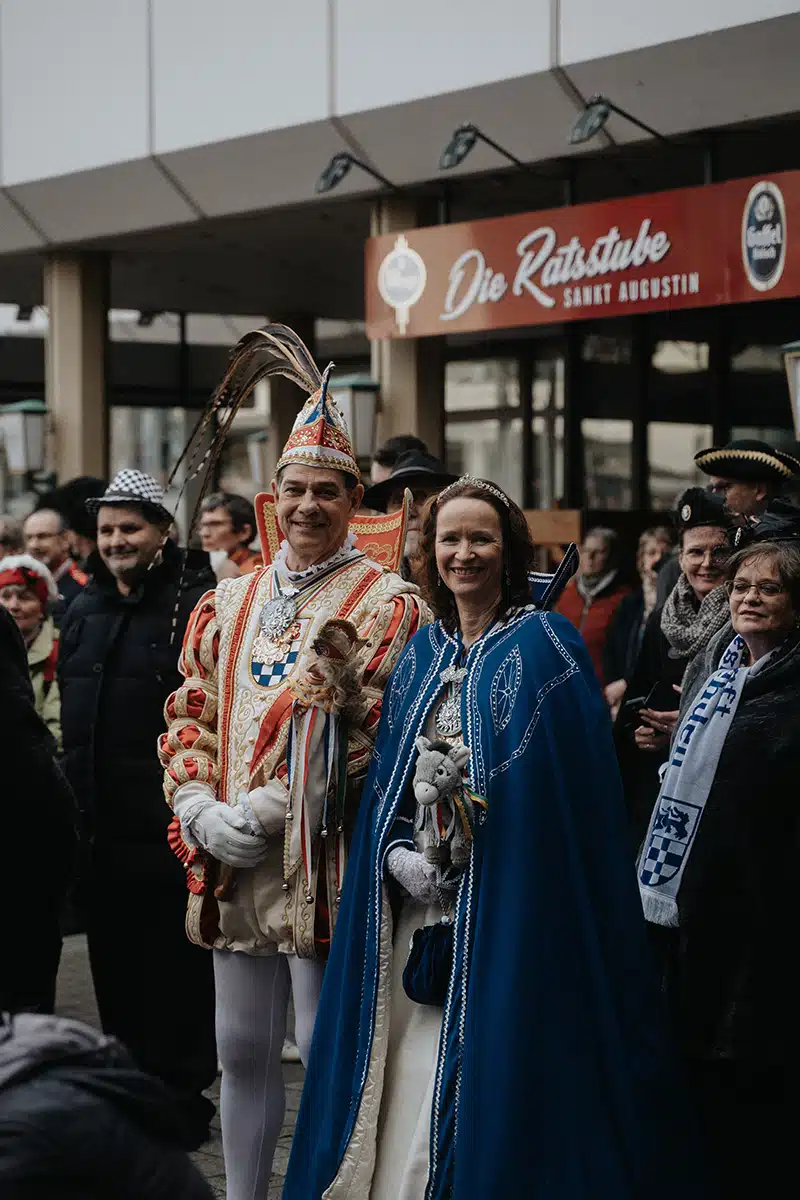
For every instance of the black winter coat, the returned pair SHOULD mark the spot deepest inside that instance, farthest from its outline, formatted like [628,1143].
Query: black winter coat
[731,966]
[117,666]
[39,835]
[655,663]
[79,1122]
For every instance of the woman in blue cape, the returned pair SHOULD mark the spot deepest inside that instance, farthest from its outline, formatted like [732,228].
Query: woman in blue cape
[543,1073]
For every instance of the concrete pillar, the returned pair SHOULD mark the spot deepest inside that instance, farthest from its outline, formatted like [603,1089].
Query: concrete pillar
[76,295]
[411,371]
[285,397]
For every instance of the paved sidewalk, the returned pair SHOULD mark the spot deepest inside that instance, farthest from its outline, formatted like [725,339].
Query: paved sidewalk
[76,999]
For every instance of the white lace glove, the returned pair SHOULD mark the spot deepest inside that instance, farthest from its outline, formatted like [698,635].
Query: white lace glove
[217,827]
[264,808]
[414,873]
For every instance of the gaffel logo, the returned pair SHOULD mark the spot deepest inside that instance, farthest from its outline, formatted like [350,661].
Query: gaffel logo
[401,280]
[764,236]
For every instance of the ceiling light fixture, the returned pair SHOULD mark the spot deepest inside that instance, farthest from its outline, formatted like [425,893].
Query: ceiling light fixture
[339,167]
[463,143]
[594,116]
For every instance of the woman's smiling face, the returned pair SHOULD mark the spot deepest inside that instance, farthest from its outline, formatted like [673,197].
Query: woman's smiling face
[469,550]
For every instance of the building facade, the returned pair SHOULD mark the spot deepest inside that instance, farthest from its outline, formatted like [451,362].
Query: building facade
[161,156]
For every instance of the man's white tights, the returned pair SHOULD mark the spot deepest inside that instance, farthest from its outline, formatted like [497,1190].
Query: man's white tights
[252,1002]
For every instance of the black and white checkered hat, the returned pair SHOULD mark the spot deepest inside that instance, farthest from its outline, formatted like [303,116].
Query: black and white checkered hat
[131,487]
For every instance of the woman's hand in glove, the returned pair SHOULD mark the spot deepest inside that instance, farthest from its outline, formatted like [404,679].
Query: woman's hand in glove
[414,873]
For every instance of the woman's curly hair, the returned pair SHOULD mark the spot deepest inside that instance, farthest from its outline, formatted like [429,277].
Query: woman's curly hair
[518,554]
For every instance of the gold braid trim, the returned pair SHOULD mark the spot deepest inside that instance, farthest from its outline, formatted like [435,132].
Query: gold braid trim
[761,456]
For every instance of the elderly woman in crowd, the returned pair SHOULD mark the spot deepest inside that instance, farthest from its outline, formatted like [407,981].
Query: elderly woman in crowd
[590,601]
[676,631]
[28,591]
[627,628]
[515,1048]
[718,870]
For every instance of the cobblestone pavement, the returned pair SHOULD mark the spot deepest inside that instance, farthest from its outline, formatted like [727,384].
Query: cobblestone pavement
[76,999]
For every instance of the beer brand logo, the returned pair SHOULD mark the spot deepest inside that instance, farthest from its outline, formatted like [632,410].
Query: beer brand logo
[401,280]
[764,236]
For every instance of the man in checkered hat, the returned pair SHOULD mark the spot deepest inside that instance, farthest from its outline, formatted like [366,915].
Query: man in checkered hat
[264,762]
[118,663]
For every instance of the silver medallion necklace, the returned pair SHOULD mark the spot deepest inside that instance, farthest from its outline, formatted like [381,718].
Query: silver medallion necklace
[279,612]
[448,716]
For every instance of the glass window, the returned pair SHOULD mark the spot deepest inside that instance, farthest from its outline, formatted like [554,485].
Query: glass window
[476,385]
[488,449]
[671,447]
[147,439]
[547,485]
[607,462]
[781,439]
[678,384]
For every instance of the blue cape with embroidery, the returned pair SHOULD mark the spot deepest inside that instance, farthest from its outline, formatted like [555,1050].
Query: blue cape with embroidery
[555,1080]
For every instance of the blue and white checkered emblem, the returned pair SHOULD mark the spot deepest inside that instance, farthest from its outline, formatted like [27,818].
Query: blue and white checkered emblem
[270,674]
[673,829]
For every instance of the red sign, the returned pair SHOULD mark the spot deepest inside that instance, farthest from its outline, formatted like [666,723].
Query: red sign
[723,243]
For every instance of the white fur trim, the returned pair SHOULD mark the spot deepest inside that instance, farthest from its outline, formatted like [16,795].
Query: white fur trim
[13,562]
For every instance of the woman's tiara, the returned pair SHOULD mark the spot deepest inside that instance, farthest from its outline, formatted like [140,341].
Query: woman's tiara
[471,481]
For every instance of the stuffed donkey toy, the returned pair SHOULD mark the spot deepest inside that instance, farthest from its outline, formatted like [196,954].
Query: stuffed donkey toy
[446,811]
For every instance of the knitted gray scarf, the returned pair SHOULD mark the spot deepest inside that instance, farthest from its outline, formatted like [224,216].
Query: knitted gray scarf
[688,628]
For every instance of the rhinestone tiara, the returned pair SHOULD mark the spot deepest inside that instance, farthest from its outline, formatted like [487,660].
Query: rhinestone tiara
[471,481]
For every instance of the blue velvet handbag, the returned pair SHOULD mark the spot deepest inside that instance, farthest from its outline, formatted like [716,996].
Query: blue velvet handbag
[426,977]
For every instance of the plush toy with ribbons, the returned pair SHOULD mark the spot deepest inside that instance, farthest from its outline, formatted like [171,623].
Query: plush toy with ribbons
[446,805]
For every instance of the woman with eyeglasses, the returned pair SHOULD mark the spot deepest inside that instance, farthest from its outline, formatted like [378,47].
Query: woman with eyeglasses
[675,632]
[719,866]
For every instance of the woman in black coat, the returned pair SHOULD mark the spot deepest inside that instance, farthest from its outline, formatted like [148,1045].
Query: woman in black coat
[729,964]
[118,663]
[37,869]
[675,632]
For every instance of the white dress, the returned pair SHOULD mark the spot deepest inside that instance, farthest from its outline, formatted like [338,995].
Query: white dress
[404,1124]
[401,1169]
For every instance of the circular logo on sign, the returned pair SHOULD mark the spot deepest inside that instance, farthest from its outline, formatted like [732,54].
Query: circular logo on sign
[401,280]
[764,236]
[686,512]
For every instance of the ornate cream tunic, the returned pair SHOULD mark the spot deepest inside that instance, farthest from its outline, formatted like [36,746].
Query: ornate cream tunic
[229,724]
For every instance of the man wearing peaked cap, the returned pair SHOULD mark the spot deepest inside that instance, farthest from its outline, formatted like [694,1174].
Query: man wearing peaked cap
[747,474]
[779,523]
[264,760]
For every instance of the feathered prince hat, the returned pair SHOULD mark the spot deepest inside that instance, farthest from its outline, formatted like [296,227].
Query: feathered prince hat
[320,437]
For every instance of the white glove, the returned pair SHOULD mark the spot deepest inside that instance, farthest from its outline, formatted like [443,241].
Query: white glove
[414,873]
[264,808]
[217,827]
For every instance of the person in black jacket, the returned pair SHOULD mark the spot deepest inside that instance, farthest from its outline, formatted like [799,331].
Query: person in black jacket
[118,662]
[734,827]
[38,858]
[78,1121]
[674,633]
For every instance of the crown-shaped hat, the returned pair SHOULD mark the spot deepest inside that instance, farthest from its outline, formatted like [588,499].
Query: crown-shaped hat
[320,437]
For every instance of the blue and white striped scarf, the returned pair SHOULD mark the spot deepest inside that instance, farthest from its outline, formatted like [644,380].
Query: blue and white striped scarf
[686,783]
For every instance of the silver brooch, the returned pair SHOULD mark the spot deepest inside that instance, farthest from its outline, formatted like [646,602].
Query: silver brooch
[276,616]
[453,674]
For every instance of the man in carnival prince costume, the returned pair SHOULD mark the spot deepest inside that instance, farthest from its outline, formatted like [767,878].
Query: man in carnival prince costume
[268,741]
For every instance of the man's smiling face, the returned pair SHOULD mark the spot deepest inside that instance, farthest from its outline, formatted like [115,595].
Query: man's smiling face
[314,508]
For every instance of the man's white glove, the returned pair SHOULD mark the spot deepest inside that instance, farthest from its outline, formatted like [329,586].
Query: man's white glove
[217,827]
[414,873]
